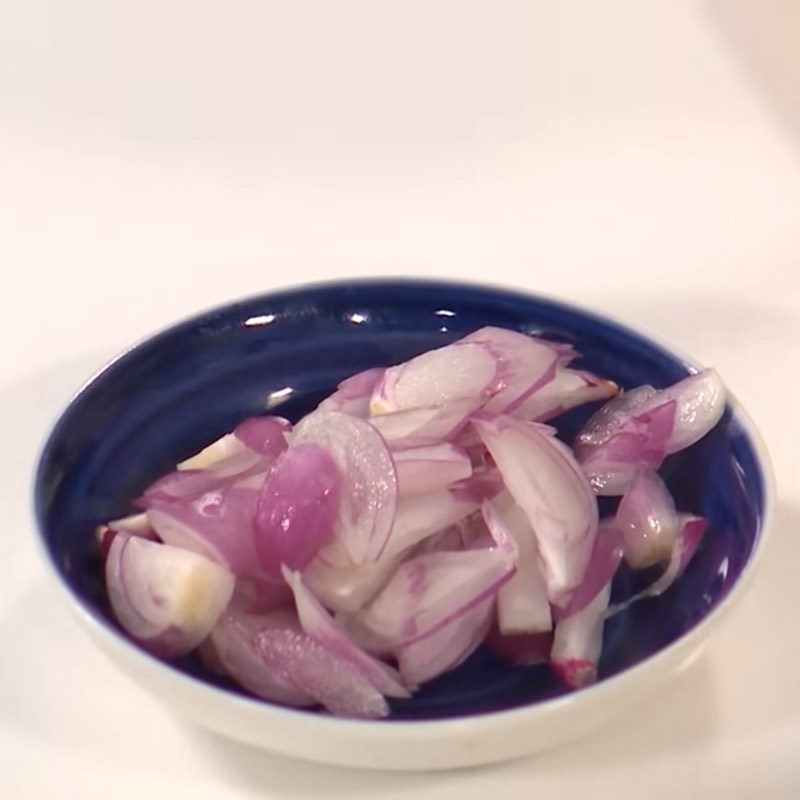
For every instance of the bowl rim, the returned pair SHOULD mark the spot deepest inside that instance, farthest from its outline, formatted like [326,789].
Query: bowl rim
[684,645]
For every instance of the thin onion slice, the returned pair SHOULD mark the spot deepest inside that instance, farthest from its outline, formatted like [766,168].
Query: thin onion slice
[166,598]
[427,425]
[353,394]
[603,563]
[522,603]
[316,670]
[232,647]
[638,429]
[191,483]
[437,377]
[448,647]
[568,388]
[641,443]
[297,508]
[421,515]
[544,479]
[319,624]
[431,591]
[421,469]
[577,642]
[526,364]
[264,435]
[222,449]
[369,489]
[692,530]
[218,525]
[348,588]
[648,521]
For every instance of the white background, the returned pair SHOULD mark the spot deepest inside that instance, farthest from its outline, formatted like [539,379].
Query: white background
[160,157]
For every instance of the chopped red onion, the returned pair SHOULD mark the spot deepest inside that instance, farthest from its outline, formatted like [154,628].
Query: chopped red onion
[265,435]
[166,598]
[648,521]
[640,443]
[319,624]
[421,515]
[190,483]
[314,669]
[700,403]
[637,429]
[422,469]
[568,389]
[691,534]
[428,425]
[460,371]
[135,525]
[447,647]
[297,508]
[606,557]
[431,591]
[348,588]
[369,490]
[222,449]
[545,480]
[353,394]
[526,364]
[234,648]
[522,602]
[578,640]
[218,525]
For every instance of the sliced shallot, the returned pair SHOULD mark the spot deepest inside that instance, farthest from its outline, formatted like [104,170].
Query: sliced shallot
[526,364]
[606,557]
[218,525]
[545,480]
[522,602]
[232,646]
[264,435]
[639,428]
[648,521]
[421,469]
[421,515]
[348,588]
[691,534]
[568,388]
[319,624]
[369,489]
[353,394]
[297,507]
[459,371]
[578,640]
[431,591]
[447,647]
[166,598]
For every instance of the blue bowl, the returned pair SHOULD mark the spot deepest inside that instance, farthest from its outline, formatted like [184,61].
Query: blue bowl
[283,352]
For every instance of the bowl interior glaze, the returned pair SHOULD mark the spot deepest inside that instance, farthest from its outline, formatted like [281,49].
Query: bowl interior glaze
[285,351]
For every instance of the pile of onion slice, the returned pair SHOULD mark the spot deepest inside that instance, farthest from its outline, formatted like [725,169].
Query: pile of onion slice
[420,511]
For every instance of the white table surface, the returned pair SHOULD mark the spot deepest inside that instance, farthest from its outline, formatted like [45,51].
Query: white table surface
[157,158]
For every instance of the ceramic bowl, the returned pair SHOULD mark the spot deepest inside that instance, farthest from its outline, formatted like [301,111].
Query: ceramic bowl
[283,352]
